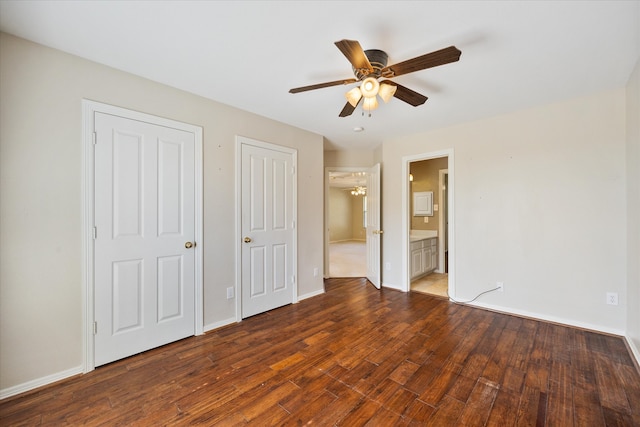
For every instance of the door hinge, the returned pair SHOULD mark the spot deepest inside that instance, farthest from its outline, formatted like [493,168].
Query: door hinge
[293,280]
[95,138]
[95,328]
[95,233]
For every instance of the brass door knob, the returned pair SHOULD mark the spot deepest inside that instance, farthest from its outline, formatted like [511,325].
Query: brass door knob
[189,245]
[247,239]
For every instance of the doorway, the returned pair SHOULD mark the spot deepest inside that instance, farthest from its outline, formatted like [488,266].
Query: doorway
[371,220]
[428,231]
[346,207]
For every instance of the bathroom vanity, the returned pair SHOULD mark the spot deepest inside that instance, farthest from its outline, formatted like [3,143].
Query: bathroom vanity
[423,252]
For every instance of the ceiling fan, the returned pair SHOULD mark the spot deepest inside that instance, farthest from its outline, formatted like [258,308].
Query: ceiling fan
[369,66]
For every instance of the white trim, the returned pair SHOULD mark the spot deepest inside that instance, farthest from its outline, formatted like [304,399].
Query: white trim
[238,247]
[39,382]
[393,286]
[89,108]
[87,238]
[243,140]
[311,295]
[441,221]
[215,325]
[406,160]
[634,350]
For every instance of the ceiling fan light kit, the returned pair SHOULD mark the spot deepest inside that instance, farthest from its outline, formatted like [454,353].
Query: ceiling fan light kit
[370,103]
[370,65]
[369,87]
[353,96]
[387,91]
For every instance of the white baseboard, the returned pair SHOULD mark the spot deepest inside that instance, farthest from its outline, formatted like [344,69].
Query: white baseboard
[311,294]
[634,350]
[392,286]
[220,324]
[548,318]
[39,382]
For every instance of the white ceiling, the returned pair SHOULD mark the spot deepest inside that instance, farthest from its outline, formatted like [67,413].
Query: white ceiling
[347,180]
[515,54]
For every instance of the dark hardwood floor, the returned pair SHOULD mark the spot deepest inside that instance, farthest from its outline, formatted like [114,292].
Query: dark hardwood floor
[357,356]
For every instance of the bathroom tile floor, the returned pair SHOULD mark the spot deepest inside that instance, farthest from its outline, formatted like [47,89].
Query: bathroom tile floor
[433,284]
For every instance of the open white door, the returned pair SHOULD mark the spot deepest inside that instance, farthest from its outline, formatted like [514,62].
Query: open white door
[373,226]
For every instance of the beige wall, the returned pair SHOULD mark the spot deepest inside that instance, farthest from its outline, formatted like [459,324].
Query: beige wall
[339,215]
[358,232]
[349,158]
[426,177]
[633,208]
[539,204]
[41,202]
[345,216]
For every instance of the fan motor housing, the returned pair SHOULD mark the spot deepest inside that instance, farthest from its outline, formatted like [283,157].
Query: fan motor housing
[378,60]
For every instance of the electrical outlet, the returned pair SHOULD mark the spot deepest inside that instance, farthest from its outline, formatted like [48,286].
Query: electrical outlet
[387,266]
[315,272]
[500,286]
[426,219]
[612,298]
[230,293]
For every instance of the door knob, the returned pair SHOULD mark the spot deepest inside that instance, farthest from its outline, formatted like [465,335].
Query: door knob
[247,239]
[189,245]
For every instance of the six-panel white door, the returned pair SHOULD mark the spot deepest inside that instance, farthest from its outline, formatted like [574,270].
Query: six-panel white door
[144,216]
[267,228]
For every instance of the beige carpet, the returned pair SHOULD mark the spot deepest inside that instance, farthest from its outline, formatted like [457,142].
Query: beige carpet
[434,284]
[348,259]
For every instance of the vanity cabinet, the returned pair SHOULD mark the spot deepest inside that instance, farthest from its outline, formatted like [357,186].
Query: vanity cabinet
[424,257]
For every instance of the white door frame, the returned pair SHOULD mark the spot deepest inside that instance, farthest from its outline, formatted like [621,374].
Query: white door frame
[441,221]
[240,140]
[327,173]
[89,108]
[374,224]
[406,160]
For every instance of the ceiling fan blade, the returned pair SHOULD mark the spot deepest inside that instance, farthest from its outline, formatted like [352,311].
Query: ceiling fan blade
[407,95]
[429,60]
[322,85]
[354,53]
[348,110]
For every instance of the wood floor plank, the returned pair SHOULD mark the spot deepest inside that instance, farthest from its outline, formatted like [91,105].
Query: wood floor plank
[607,379]
[478,407]
[447,413]
[356,356]
[560,405]
[439,386]
[404,371]
[504,411]
[529,408]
